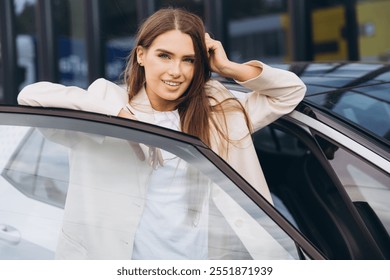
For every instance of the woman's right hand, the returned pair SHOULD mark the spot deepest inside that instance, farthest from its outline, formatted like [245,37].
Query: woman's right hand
[126,114]
[135,146]
[155,157]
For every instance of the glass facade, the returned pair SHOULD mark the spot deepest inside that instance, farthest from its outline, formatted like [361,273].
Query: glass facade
[74,42]
[26,35]
[256,30]
[119,24]
[70,40]
[373,21]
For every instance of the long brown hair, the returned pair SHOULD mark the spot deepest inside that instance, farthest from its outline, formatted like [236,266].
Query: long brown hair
[194,105]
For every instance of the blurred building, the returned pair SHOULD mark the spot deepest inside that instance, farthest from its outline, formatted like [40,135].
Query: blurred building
[73,42]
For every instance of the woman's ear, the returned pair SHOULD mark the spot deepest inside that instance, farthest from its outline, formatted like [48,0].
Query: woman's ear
[140,55]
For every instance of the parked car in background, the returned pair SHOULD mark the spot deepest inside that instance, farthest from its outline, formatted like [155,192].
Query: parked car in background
[327,165]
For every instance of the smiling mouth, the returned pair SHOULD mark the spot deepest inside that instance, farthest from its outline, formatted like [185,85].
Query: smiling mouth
[169,83]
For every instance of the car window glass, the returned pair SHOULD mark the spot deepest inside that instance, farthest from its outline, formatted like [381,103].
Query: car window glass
[68,194]
[320,68]
[353,70]
[362,181]
[329,82]
[39,169]
[367,112]
[384,76]
[378,91]
[308,194]
[278,151]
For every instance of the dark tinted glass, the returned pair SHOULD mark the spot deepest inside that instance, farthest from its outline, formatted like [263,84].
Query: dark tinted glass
[368,109]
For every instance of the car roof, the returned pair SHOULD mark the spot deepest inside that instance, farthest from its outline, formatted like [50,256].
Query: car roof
[356,93]
[325,78]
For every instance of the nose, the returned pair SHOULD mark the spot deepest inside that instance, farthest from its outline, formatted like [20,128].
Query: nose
[174,69]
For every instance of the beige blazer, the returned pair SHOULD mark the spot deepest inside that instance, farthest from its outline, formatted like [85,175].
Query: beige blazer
[274,93]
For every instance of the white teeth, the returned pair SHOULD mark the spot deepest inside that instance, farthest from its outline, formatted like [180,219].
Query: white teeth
[171,83]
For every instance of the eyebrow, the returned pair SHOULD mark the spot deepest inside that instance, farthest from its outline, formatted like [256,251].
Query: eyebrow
[171,53]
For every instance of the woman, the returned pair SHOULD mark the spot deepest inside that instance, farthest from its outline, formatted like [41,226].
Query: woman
[168,81]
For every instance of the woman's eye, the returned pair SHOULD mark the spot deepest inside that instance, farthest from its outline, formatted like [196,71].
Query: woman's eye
[163,55]
[189,60]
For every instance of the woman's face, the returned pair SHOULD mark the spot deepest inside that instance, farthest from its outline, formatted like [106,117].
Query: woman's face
[169,68]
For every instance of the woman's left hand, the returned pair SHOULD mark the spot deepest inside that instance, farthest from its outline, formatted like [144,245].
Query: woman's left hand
[220,63]
[217,55]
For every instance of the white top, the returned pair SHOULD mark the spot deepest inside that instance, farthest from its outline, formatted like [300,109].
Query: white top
[168,229]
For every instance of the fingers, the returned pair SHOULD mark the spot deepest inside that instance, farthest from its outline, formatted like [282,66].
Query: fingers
[155,157]
[135,146]
[215,48]
[210,43]
[126,114]
[160,158]
[137,150]
[217,55]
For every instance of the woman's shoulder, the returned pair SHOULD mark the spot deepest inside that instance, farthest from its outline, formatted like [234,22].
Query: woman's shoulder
[103,85]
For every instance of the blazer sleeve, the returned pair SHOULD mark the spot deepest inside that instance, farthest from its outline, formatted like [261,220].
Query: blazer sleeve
[102,96]
[275,92]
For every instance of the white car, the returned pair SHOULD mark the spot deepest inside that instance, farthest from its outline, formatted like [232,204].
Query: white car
[32,195]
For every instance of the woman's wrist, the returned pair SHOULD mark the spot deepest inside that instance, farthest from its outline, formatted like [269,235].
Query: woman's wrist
[240,72]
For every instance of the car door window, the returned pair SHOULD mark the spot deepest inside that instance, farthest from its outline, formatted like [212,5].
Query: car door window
[39,169]
[79,195]
[367,186]
[367,107]
[310,195]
